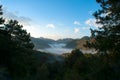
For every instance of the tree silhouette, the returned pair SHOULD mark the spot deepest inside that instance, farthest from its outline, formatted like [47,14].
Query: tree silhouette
[19,35]
[16,47]
[106,39]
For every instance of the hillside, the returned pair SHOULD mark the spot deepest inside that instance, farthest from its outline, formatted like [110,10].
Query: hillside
[65,40]
[78,43]
[41,43]
[44,57]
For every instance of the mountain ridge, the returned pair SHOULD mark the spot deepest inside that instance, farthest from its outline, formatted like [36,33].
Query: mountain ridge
[42,43]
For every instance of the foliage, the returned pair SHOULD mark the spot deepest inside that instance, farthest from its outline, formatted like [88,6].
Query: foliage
[16,49]
[107,37]
[18,60]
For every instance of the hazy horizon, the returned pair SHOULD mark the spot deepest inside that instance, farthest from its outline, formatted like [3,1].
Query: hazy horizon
[59,38]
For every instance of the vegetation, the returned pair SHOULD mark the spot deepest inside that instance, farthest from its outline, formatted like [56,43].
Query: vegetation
[18,60]
[78,43]
[107,38]
[41,43]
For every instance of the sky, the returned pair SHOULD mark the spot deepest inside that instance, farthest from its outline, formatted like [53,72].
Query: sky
[53,19]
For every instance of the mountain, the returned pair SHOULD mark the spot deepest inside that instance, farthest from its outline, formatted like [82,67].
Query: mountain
[65,40]
[47,40]
[41,43]
[78,43]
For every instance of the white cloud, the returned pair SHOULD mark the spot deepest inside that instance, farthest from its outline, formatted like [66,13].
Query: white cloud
[50,26]
[34,30]
[28,23]
[76,30]
[92,23]
[13,15]
[76,22]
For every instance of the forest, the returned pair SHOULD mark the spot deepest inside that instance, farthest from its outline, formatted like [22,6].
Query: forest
[19,61]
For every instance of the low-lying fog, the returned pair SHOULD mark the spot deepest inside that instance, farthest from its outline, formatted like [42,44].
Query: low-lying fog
[59,48]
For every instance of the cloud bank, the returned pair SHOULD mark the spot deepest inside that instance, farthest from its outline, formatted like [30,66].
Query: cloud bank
[12,15]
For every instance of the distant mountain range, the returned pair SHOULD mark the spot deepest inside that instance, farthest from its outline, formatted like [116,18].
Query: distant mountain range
[78,43]
[42,43]
[65,40]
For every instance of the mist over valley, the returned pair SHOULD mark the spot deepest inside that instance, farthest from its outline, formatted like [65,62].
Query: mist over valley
[60,46]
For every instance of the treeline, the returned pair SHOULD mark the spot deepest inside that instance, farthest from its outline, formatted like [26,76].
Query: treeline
[79,66]
[18,60]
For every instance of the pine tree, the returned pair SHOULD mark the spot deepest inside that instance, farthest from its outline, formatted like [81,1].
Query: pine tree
[18,35]
[16,53]
[106,39]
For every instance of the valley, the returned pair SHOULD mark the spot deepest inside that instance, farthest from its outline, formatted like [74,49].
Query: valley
[61,46]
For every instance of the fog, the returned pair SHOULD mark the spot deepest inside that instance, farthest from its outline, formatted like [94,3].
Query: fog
[57,48]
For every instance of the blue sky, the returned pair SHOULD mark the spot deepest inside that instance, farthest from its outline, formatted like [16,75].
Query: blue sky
[53,18]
